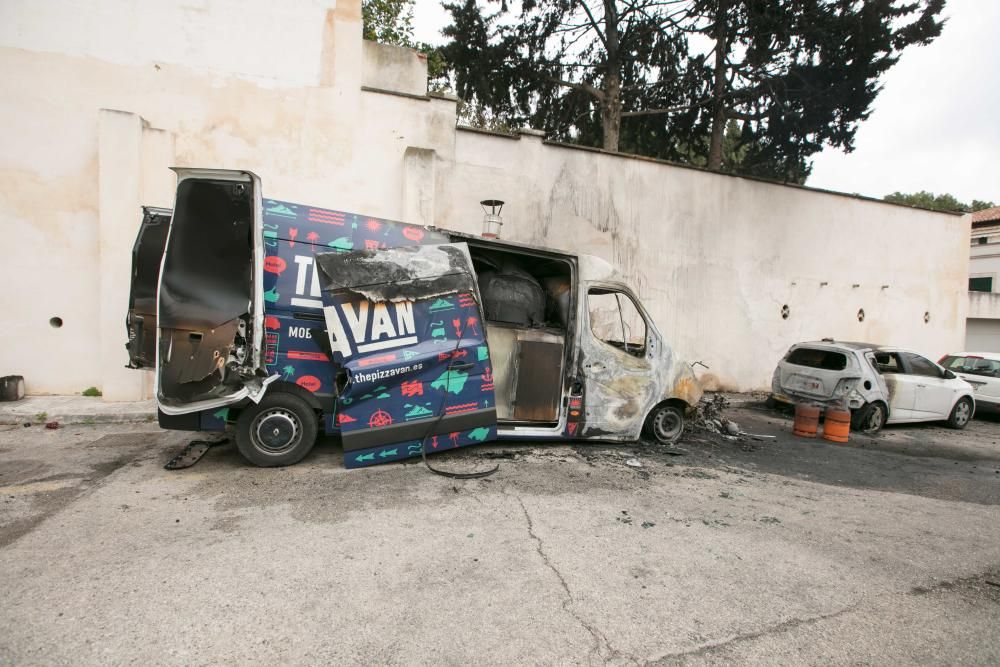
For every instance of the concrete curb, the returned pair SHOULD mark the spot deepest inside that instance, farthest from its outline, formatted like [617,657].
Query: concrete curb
[8,419]
[37,410]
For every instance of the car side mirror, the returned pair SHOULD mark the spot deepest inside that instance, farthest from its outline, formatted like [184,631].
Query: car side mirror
[948,375]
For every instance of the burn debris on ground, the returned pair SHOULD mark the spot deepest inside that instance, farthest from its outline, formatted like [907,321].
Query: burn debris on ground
[709,417]
[709,420]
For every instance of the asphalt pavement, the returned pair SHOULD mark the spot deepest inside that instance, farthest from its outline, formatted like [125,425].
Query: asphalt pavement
[751,551]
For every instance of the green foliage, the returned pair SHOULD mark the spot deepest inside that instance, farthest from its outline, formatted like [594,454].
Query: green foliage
[391,22]
[942,202]
[388,21]
[740,85]
[91,391]
[734,149]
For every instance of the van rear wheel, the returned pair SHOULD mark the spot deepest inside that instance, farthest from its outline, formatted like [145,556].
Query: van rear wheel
[278,431]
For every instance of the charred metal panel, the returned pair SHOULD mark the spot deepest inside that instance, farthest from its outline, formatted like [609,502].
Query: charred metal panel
[621,389]
[398,274]
[209,290]
[295,233]
[208,267]
[539,386]
[147,253]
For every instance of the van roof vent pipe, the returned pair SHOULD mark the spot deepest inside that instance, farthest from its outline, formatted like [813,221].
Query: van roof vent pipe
[492,222]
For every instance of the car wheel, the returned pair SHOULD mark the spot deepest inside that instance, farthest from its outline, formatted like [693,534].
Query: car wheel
[666,424]
[869,419]
[960,414]
[278,431]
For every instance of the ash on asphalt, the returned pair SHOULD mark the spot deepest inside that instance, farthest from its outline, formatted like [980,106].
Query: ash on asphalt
[927,460]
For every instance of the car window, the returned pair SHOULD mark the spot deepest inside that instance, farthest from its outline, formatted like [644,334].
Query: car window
[921,366]
[616,320]
[871,360]
[888,362]
[815,358]
[972,365]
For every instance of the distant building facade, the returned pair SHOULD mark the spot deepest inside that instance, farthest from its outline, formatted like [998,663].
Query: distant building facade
[982,328]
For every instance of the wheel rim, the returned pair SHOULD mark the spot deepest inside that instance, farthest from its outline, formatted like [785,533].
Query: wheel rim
[962,413]
[875,420]
[667,425]
[276,431]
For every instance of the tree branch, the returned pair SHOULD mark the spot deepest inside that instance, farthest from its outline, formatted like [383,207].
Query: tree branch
[738,115]
[593,22]
[583,87]
[680,107]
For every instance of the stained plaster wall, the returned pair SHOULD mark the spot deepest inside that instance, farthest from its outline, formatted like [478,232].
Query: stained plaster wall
[715,258]
[101,98]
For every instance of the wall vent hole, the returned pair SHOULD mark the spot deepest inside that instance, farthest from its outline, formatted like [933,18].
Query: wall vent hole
[55,322]
[785,312]
[861,315]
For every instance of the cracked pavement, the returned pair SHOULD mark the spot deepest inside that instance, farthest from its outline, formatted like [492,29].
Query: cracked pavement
[797,552]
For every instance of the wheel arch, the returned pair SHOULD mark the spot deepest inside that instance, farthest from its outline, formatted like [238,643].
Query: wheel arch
[972,399]
[286,387]
[678,403]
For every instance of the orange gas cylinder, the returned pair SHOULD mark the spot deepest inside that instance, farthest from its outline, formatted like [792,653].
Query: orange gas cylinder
[837,425]
[806,420]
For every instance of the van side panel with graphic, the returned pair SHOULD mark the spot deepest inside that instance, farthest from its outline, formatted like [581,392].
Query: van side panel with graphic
[281,320]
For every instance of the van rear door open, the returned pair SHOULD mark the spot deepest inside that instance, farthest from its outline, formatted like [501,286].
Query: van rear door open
[210,302]
[147,253]
[406,332]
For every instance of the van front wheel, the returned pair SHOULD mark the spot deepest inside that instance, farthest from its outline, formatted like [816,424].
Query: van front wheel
[666,424]
[278,431]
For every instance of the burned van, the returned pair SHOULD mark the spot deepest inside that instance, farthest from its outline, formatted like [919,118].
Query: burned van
[282,320]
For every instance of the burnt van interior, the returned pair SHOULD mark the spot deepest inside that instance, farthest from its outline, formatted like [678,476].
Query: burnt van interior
[206,291]
[527,303]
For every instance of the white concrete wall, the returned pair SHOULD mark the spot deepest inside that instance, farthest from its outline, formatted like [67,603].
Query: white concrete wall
[716,257]
[394,68]
[101,98]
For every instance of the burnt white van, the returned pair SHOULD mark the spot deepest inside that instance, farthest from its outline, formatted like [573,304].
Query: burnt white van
[282,320]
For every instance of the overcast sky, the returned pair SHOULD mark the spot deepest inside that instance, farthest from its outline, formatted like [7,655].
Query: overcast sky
[935,126]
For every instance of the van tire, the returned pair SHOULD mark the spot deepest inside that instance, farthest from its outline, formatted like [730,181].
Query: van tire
[278,431]
[865,419]
[665,424]
[961,414]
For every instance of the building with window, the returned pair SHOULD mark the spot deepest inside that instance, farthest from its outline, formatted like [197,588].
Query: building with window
[982,328]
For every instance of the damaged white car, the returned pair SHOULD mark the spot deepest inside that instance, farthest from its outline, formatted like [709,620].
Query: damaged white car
[880,385]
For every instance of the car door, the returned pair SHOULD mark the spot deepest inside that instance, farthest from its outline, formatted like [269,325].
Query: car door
[983,374]
[901,386]
[147,253]
[615,363]
[987,372]
[412,362]
[935,395]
